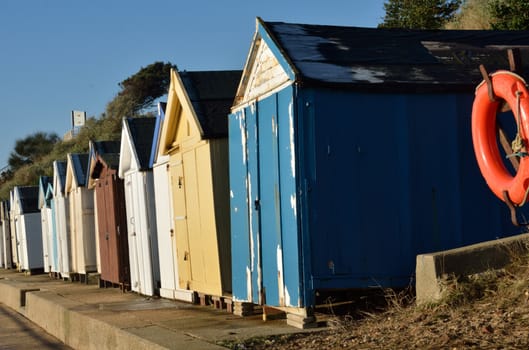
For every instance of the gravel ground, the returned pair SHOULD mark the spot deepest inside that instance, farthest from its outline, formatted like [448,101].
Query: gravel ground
[490,311]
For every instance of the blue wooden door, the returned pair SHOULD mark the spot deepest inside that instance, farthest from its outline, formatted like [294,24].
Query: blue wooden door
[268,207]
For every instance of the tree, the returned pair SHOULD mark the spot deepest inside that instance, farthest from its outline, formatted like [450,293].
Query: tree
[31,148]
[473,14]
[33,156]
[423,14]
[140,90]
[510,14]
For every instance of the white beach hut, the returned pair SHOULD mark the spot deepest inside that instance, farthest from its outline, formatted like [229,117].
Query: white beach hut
[81,209]
[62,220]
[28,228]
[136,144]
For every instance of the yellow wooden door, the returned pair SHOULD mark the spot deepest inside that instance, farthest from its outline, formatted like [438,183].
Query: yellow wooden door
[180,225]
[202,233]
[210,251]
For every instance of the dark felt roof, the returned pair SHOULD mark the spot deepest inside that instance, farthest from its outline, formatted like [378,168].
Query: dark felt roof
[80,166]
[29,199]
[61,173]
[108,151]
[141,132]
[212,94]
[372,57]
[44,181]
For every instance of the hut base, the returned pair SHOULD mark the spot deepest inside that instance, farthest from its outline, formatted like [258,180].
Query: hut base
[296,317]
[108,284]
[35,271]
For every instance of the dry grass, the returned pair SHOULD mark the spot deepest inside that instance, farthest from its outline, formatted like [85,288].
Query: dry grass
[484,311]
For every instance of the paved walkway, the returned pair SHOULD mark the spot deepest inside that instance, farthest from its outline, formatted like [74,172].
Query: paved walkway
[88,317]
[18,333]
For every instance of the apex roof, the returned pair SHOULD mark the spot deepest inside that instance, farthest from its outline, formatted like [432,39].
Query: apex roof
[375,58]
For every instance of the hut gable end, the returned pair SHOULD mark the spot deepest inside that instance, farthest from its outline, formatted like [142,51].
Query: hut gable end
[197,108]
[136,144]
[59,177]
[76,169]
[265,74]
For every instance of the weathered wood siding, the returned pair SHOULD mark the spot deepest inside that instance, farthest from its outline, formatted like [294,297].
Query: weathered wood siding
[113,245]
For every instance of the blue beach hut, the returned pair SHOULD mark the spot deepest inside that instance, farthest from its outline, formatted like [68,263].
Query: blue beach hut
[351,153]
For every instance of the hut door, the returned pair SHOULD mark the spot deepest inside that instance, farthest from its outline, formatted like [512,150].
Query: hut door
[180,225]
[264,202]
[269,207]
[108,229]
[74,234]
[104,236]
[134,258]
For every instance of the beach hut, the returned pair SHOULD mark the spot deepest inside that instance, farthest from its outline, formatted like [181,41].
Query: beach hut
[28,228]
[6,234]
[61,244]
[12,229]
[81,214]
[136,145]
[53,239]
[2,242]
[350,153]
[169,282]
[194,135]
[47,221]
[111,213]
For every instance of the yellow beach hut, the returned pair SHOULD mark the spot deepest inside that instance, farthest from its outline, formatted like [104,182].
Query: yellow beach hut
[195,136]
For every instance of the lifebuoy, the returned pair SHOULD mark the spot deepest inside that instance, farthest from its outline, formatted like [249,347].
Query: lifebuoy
[512,89]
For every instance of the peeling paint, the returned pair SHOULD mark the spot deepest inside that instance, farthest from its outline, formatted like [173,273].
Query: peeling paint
[259,274]
[242,128]
[293,204]
[248,284]
[291,133]
[287,298]
[274,127]
[280,284]
[250,211]
[231,193]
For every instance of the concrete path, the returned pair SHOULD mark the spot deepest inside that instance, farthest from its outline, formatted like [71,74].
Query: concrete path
[88,317]
[18,333]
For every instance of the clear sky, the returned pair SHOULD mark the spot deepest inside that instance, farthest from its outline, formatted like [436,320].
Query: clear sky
[62,55]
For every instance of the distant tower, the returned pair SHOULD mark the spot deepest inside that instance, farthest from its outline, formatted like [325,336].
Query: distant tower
[78,121]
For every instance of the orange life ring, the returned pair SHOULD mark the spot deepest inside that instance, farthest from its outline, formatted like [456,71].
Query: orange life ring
[512,89]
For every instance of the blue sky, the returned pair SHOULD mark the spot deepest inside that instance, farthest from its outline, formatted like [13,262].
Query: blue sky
[62,55]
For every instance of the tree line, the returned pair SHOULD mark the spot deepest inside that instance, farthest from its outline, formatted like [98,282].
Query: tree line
[456,14]
[33,155]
